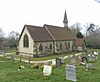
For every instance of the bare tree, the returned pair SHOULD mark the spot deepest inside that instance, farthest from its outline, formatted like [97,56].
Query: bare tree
[76,27]
[13,38]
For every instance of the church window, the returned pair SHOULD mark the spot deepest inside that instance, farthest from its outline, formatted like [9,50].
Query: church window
[26,41]
[60,46]
[50,46]
[40,48]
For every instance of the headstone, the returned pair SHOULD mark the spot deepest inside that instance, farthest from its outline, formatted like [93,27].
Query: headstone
[92,58]
[62,60]
[47,70]
[89,66]
[95,53]
[71,72]
[58,62]
[84,59]
[72,60]
[54,62]
[89,55]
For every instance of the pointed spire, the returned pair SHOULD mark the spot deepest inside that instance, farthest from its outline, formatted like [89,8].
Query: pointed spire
[65,21]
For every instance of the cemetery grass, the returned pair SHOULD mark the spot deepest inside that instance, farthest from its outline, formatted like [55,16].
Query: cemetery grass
[9,72]
[40,58]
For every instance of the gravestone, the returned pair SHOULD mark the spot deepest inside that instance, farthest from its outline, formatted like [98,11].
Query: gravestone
[47,70]
[89,66]
[71,72]
[92,58]
[62,60]
[73,60]
[89,55]
[84,59]
[58,62]
[95,53]
[54,62]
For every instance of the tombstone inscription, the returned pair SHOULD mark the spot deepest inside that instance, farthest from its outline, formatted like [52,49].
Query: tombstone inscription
[71,72]
[47,70]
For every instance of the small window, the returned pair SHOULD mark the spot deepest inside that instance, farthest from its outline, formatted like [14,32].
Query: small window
[50,46]
[60,46]
[26,41]
[68,44]
[40,48]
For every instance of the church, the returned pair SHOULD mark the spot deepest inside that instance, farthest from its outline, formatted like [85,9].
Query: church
[48,39]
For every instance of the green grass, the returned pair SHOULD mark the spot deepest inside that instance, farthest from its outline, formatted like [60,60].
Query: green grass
[40,58]
[9,72]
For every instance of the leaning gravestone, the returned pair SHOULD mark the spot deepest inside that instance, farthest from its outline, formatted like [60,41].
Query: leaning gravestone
[71,72]
[58,62]
[47,70]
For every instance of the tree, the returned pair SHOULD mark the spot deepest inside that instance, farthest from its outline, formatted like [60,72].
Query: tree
[93,36]
[1,35]
[13,38]
[76,27]
[79,35]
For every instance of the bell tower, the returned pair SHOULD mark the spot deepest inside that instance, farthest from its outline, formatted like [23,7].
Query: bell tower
[65,21]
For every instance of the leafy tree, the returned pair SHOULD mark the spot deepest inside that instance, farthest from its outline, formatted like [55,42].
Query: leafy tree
[79,35]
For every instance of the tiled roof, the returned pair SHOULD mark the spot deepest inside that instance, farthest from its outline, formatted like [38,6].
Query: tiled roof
[49,33]
[79,42]
[38,33]
[60,33]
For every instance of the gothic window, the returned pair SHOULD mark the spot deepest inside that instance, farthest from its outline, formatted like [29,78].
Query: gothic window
[68,44]
[56,44]
[40,48]
[26,41]
[50,46]
[60,46]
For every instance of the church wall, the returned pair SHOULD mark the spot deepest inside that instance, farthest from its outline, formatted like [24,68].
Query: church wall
[66,46]
[23,49]
[46,47]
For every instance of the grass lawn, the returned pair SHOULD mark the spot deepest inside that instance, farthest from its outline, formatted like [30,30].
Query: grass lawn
[9,72]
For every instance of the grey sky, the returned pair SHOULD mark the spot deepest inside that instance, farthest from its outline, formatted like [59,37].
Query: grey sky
[15,13]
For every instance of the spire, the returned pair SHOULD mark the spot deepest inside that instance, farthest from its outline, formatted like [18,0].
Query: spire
[65,21]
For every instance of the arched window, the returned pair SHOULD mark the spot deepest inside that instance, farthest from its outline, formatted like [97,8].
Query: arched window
[40,48]
[26,41]
[60,46]
[50,46]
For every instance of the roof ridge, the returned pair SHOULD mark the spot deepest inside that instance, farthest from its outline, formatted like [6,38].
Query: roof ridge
[53,26]
[33,26]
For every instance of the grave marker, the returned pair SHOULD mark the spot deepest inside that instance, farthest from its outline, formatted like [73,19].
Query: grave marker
[92,58]
[47,70]
[58,62]
[89,66]
[54,62]
[62,60]
[84,59]
[71,72]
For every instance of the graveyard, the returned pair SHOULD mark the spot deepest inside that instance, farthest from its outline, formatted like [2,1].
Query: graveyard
[17,71]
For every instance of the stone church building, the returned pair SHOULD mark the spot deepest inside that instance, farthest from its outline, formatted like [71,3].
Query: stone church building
[48,39]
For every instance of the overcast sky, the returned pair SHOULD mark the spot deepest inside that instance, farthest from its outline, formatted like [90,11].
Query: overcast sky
[14,14]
